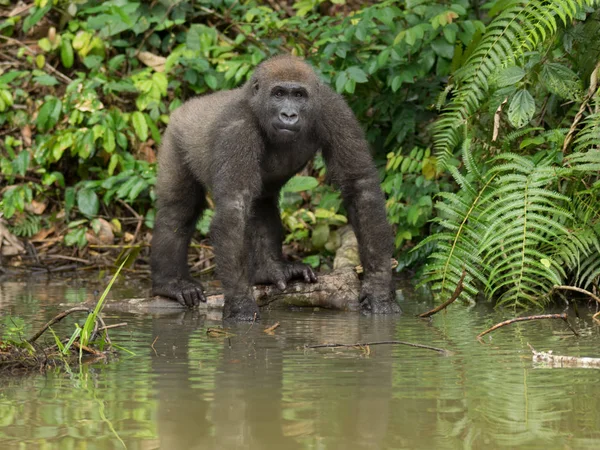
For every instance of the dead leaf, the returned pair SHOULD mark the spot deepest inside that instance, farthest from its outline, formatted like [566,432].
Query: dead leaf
[146,152]
[152,60]
[104,236]
[20,9]
[10,245]
[26,135]
[36,207]
[42,234]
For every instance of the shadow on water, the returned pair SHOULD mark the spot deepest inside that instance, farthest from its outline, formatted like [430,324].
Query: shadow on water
[259,391]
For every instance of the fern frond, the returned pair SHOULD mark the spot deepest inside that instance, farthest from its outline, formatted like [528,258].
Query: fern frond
[526,221]
[456,248]
[516,30]
[26,225]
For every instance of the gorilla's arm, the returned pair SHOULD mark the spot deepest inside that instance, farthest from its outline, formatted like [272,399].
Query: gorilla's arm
[235,184]
[267,263]
[181,200]
[351,167]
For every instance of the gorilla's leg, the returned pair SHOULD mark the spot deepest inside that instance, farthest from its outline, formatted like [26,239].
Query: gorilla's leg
[265,235]
[181,200]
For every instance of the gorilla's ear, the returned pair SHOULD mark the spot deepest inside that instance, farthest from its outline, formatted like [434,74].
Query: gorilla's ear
[255,87]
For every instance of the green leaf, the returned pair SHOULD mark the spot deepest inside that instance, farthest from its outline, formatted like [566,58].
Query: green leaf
[46,80]
[66,53]
[211,81]
[300,183]
[320,235]
[76,236]
[21,163]
[138,187]
[87,202]
[69,200]
[313,261]
[10,76]
[509,76]
[357,74]
[442,48]
[521,109]
[340,82]
[36,16]
[561,80]
[139,125]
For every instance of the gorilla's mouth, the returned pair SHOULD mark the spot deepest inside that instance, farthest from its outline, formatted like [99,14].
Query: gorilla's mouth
[286,129]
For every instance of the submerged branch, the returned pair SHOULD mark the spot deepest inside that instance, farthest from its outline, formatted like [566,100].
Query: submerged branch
[366,344]
[561,316]
[455,295]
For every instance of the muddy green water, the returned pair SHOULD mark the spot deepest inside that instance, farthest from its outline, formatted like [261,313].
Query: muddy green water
[260,391]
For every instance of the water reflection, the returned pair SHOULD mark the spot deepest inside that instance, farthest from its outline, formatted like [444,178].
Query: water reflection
[260,391]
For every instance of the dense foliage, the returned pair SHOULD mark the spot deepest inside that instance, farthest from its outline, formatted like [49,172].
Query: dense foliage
[86,88]
[527,215]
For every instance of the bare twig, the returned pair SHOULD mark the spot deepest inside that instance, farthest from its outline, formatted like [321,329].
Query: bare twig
[87,349]
[591,92]
[580,290]
[152,345]
[455,295]
[58,318]
[115,325]
[101,320]
[367,344]
[68,258]
[562,316]
[139,218]
[251,325]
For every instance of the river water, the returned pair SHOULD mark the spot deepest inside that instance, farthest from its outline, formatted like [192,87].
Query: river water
[255,390]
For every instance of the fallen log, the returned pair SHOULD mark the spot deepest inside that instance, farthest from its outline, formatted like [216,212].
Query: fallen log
[337,290]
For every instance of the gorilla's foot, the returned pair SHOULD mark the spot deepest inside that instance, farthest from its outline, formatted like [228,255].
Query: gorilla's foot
[240,308]
[377,296]
[186,291]
[281,272]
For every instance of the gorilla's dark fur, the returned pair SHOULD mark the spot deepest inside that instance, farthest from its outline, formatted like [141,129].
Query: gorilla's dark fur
[243,145]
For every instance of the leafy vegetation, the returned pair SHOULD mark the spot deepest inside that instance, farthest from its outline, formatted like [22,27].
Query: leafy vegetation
[526,217]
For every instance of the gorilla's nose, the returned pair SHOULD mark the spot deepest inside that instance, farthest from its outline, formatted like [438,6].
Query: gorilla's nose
[288,118]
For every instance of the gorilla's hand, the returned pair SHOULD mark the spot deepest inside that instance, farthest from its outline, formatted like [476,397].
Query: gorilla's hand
[241,308]
[186,291]
[280,272]
[377,296]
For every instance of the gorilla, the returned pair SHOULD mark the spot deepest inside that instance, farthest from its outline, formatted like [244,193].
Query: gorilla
[243,145]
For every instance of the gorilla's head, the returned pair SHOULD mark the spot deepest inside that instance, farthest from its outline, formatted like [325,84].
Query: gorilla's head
[284,92]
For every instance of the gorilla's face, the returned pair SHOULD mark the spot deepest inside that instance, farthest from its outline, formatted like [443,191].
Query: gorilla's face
[287,110]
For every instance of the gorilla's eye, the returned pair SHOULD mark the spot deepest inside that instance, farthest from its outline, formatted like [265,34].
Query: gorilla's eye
[279,94]
[299,95]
